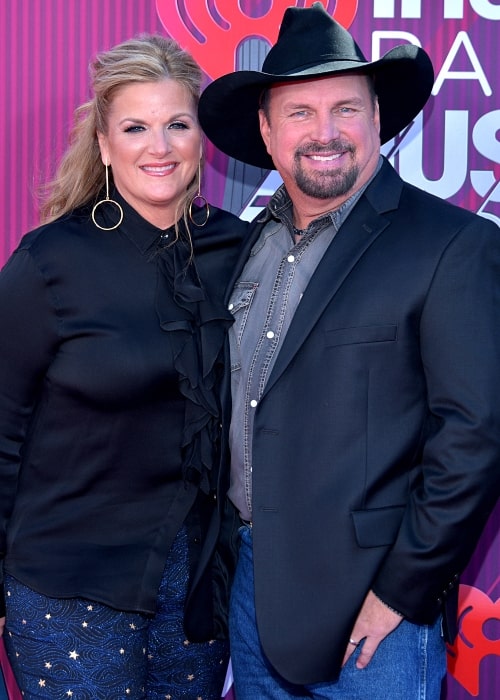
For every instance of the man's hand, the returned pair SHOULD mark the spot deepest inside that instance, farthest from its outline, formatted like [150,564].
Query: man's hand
[374,622]
[2,625]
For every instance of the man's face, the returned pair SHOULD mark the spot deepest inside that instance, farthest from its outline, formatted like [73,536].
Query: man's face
[323,136]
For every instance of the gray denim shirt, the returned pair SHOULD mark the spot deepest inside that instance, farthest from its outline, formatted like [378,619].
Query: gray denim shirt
[263,303]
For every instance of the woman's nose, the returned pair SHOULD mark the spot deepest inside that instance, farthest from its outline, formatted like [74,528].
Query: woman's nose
[159,142]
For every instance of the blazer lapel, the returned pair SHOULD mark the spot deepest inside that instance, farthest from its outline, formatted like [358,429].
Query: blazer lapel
[362,227]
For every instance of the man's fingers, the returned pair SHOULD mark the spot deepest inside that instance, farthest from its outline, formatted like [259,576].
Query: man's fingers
[367,651]
[367,648]
[375,621]
[351,648]
[348,653]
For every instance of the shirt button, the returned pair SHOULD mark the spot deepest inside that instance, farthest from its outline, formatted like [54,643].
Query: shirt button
[270,334]
[253,403]
[230,307]
[291,258]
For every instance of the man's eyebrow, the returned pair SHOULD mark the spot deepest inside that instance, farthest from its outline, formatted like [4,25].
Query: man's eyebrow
[354,100]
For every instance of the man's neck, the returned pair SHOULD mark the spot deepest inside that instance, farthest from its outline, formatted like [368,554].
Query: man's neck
[307,208]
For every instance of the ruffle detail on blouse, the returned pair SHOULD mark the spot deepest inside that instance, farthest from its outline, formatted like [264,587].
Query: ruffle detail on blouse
[197,328]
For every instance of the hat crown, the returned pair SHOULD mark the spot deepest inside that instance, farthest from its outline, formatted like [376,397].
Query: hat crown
[309,37]
[310,45]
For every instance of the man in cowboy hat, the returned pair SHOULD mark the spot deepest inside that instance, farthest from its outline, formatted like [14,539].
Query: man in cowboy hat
[365,354]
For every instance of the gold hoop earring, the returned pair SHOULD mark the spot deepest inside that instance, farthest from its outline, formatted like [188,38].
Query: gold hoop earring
[111,201]
[198,195]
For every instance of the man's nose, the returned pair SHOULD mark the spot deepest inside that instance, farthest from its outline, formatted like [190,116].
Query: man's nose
[325,128]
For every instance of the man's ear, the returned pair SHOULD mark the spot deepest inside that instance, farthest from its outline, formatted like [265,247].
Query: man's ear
[265,129]
[376,114]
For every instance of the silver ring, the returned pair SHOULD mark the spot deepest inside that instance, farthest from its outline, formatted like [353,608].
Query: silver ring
[355,644]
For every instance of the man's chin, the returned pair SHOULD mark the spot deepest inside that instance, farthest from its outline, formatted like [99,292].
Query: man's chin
[323,189]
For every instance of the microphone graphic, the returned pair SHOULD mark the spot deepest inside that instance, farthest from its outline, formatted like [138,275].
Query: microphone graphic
[214,30]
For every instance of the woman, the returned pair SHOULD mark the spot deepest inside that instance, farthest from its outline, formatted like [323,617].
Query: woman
[110,359]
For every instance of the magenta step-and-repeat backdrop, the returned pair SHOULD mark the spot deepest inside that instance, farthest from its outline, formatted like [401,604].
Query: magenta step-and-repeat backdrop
[452,150]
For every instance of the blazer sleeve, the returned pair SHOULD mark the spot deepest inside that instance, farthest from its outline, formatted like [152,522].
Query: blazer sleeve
[457,482]
[28,334]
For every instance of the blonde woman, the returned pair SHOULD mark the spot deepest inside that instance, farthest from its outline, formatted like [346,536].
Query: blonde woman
[111,350]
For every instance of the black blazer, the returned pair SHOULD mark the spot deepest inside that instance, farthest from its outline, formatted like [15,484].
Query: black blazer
[377,439]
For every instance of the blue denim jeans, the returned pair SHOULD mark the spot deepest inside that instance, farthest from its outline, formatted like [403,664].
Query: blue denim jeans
[408,665]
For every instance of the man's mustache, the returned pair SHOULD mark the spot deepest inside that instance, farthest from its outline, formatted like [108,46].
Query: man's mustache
[335,146]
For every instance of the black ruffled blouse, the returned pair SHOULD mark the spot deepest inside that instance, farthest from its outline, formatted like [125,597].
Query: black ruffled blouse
[110,362]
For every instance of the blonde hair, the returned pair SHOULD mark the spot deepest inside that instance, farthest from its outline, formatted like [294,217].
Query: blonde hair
[80,176]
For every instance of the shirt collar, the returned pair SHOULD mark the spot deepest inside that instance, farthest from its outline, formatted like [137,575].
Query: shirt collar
[144,235]
[280,207]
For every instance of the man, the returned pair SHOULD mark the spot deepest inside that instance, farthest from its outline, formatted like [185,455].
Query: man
[365,436]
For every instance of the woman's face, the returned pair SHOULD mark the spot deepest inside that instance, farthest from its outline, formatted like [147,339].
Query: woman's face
[153,145]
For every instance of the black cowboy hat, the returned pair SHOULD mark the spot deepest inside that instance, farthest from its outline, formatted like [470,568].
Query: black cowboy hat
[311,44]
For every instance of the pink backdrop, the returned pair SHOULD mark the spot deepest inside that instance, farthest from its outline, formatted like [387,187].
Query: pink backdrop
[453,150]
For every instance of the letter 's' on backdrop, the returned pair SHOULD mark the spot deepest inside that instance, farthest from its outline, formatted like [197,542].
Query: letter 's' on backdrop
[451,150]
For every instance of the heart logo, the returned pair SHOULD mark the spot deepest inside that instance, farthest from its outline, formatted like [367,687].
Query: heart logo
[212,34]
[472,645]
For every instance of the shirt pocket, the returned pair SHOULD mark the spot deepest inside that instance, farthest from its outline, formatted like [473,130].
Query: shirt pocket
[239,305]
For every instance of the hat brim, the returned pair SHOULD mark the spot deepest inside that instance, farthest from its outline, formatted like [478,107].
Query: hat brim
[228,108]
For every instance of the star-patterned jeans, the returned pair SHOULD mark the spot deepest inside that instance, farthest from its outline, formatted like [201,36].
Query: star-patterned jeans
[76,649]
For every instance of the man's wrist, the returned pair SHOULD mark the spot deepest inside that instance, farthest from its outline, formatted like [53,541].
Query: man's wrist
[397,612]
